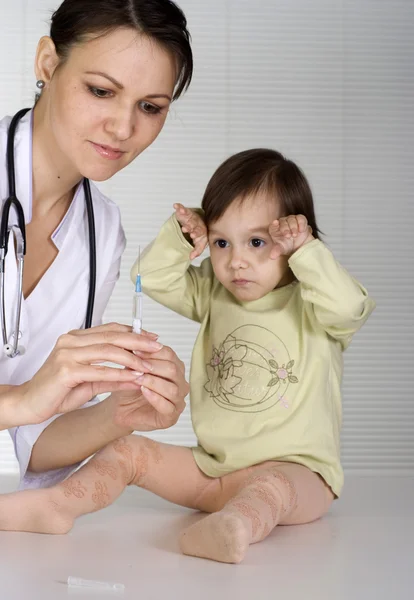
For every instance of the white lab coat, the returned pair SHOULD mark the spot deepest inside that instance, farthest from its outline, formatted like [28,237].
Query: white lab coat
[58,303]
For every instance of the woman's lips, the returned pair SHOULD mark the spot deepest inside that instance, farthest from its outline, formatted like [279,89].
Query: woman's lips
[108,152]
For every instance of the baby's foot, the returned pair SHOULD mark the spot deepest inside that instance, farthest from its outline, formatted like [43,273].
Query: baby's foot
[221,536]
[34,511]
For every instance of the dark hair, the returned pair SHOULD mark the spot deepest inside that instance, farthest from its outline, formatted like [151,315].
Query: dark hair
[161,20]
[259,171]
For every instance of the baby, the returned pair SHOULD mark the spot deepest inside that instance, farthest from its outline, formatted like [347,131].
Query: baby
[276,312]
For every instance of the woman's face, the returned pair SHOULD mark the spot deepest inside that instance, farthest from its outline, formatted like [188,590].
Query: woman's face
[108,101]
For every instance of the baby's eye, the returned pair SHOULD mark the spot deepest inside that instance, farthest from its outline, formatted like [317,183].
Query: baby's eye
[257,243]
[221,243]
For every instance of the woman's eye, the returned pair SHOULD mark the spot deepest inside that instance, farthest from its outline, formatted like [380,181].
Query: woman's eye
[98,92]
[221,243]
[257,243]
[151,109]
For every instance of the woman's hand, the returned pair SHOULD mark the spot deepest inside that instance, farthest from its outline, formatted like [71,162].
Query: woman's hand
[160,400]
[73,373]
[192,224]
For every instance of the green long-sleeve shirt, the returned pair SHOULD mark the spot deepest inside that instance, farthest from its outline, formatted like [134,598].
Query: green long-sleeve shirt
[265,375]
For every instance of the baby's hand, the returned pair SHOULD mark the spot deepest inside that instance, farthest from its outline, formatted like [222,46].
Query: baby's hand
[194,225]
[289,234]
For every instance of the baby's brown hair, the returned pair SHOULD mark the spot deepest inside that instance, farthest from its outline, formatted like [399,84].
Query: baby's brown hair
[259,171]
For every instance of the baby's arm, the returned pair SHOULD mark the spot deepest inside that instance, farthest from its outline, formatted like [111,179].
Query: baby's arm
[168,276]
[339,303]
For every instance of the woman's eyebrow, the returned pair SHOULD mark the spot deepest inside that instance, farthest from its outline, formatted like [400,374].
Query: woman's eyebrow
[159,96]
[114,81]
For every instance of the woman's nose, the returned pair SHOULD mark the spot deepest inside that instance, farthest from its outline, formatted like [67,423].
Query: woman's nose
[122,126]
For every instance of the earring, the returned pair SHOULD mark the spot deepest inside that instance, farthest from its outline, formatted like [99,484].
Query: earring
[40,84]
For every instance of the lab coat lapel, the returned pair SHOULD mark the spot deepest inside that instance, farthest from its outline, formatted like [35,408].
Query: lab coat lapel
[64,286]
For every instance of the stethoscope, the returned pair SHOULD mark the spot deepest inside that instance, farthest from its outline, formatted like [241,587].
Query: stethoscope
[11,346]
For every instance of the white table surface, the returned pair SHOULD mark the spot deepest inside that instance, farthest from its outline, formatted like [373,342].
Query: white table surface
[364,549]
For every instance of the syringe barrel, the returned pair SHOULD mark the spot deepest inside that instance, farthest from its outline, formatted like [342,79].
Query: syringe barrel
[137,307]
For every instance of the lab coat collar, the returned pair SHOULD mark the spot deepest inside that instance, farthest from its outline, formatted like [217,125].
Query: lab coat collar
[74,215]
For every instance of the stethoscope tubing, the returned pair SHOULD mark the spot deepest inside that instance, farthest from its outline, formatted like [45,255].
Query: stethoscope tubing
[12,349]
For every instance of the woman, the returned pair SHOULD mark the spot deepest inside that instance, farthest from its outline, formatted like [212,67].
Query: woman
[107,78]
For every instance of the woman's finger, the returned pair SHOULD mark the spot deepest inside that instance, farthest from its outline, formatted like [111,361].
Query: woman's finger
[102,328]
[161,404]
[101,353]
[162,387]
[100,374]
[126,340]
[117,327]
[167,380]
[165,353]
[165,362]
[110,327]
[166,366]
[150,334]
[107,387]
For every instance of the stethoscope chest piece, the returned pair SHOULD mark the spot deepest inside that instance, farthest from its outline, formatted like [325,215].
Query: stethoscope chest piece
[10,351]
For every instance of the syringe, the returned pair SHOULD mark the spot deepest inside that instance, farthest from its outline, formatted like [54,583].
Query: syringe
[93,585]
[137,306]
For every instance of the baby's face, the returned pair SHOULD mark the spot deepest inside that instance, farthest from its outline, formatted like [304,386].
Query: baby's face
[240,247]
